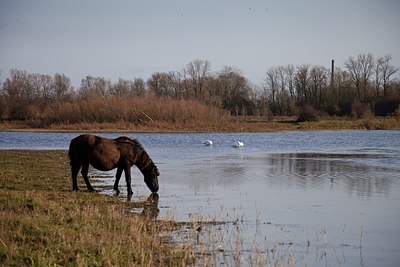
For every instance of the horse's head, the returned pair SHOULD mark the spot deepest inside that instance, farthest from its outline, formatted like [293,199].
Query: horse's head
[151,179]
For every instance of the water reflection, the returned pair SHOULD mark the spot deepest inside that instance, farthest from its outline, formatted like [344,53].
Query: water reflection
[147,208]
[104,181]
[353,172]
[361,174]
[150,207]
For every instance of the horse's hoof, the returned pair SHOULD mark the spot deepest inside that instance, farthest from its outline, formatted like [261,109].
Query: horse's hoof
[116,192]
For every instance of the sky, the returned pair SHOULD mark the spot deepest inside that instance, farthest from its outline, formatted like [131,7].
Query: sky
[135,38]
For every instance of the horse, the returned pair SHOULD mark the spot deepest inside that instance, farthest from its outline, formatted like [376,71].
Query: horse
[106,154]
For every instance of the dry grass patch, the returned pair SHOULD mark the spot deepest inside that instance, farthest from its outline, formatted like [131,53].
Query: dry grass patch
[42,223]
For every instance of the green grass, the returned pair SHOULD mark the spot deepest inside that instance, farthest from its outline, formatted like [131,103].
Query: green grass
[43,223]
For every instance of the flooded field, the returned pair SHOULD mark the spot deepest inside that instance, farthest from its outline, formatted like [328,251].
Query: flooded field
[307,198]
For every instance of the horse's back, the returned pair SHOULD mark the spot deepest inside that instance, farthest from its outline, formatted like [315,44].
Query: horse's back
[88,139]
[101,153]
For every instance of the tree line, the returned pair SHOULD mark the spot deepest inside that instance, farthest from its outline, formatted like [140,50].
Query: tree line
[366,86]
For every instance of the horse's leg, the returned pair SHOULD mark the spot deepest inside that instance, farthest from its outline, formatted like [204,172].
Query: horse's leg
[117,177]
[127,171]
[85,170]
[74,173]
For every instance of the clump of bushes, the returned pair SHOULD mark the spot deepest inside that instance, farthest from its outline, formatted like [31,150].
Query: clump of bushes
[307,113]
[361,110]
[397,113]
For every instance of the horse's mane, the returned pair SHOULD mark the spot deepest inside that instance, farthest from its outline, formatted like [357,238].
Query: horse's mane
[134,142]
[145,160]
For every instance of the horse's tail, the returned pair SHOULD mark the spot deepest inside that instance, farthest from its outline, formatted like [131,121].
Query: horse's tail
[78,149]
[72,152]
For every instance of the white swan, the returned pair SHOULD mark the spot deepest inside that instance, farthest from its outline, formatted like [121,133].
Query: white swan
[208,142]
[239,144]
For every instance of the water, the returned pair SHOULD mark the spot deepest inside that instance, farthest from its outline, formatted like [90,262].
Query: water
[313,198]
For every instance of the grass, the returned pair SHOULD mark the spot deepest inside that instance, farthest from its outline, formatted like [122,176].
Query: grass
[43,223]
[352,124]
[229,124]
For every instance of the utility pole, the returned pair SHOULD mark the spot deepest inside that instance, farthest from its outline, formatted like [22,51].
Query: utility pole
[332,72]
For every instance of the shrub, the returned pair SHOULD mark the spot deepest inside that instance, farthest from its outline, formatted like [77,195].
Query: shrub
[396,113]
[307,113]
[361,110]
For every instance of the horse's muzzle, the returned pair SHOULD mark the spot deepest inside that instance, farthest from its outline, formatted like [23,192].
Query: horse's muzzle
[153,186]
[154,189]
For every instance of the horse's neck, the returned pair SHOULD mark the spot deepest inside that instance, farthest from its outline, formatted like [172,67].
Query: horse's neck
[143,162]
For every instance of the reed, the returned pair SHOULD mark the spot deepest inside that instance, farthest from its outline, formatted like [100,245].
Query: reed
[146,110]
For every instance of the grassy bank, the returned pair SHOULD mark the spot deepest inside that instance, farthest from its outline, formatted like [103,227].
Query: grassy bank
[43,223]
[229,124]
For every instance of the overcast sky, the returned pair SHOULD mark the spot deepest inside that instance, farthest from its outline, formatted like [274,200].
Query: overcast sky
[132,39]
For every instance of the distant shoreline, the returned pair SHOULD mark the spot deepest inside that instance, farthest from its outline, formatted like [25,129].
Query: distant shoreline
[237,125]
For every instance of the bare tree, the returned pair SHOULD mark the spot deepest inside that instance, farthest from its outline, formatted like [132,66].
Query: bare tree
[43,88]
[198,70]
[360,70]
[62,87]
[281,77]
[94,85]
[339,92]
[121,88]
[385,72]
[138,87]
[18,94]
[160,84]
[290,74]
[301,82]
[318,82]
[235,90]
[176,83]
[271,81]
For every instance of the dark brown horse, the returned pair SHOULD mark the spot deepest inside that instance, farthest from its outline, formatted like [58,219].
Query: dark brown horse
[106,154]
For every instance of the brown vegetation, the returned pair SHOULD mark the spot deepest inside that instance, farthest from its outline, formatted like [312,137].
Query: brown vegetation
[197,100]
[146,110]
[307,113]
